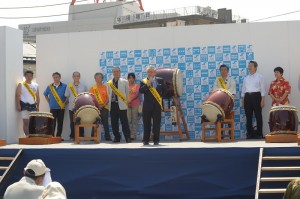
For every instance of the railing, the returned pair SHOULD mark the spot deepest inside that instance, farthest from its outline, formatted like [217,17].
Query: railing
[164,14]
[239,19]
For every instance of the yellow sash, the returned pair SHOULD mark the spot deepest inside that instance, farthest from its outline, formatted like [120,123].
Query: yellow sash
[154,93]
[57,98]
[72,89]
[98,96]
[30,90]
[222,83]
[117,92]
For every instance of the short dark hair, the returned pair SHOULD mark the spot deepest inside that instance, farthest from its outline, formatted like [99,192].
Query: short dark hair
[96,74]
[254,63]
[279,69]
[117,67]
[28,72]
[30,174]
[75,73]
[56,73]
[224,66]
[131,75]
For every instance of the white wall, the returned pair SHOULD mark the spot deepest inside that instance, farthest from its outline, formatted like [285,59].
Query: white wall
[274,44]
[11,64]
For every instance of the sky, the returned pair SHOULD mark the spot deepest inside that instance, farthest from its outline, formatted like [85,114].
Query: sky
[253,10]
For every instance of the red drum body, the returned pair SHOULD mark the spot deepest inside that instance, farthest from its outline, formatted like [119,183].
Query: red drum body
[283,120]
[219,102]
[173,81]
[86,108]
[41,124]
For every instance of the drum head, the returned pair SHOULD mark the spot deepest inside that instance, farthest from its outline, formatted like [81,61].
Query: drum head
[211,112]
[87,114]
[284,108]
[41,114]
[178,82]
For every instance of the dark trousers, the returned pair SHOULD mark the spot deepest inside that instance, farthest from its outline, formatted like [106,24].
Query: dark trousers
[115,115]
[154,115]
[72,125]
[58,115]
[104,121]
[252,104]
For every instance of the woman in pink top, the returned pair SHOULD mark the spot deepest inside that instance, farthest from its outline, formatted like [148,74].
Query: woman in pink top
[133,105]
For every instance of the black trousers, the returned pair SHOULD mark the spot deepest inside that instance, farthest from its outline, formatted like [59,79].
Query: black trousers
[104,121]
[252,104]
[72,125]
[58,115]
[155,116]
[115,115]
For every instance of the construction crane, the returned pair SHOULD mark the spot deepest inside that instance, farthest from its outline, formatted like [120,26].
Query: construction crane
[141,5]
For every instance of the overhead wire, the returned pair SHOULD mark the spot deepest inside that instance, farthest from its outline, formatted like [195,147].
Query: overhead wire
[57,15]
[41,6]
[275,16]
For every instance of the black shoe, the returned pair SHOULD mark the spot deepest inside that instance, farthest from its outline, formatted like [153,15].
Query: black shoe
[156,143]
[259,137]
[146,143]
[108,139]
[249,136]
[115,141]
[128,140]
[61,139]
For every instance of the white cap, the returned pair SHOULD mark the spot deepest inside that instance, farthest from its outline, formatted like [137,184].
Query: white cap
[54,190]
[36,167]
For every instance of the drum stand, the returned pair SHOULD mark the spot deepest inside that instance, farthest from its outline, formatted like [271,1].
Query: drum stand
[2,142]
[218,128]
[96,133]
[179,115]
[288,138]
[40,140]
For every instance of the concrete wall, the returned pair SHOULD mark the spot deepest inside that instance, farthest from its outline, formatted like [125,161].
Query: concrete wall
[11,64]
[274,44]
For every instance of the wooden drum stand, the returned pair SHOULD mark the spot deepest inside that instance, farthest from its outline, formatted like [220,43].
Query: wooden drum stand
[218,128]
[96,133]
[179,115]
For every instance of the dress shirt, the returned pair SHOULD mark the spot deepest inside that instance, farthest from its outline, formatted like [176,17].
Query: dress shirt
[80,88]
[254,83]
[230,83]
[154,83]
[114,97]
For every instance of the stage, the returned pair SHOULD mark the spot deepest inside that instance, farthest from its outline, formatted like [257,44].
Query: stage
[239,143]
[187,169]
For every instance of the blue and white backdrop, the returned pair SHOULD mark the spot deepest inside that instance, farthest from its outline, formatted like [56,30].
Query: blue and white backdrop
[200,67]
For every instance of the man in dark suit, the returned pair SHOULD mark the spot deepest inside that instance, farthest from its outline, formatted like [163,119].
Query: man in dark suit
[152,88]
